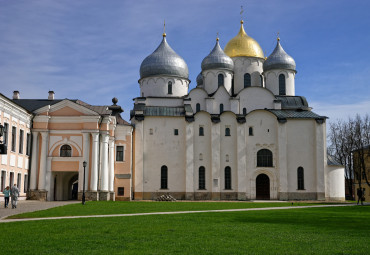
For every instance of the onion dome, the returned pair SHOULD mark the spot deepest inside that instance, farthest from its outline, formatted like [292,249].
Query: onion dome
[279,59]
[243,45]
[164,61]
[200,79]
[217,59]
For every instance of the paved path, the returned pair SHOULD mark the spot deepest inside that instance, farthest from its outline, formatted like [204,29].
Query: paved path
[30,206]
[179,212]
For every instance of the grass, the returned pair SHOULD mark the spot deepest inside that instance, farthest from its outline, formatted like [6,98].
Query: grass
[334,230]
[110,207]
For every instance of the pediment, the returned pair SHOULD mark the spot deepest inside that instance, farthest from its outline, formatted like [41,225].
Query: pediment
[66,108]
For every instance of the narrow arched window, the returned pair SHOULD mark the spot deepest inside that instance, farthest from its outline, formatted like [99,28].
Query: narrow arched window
[244,111]
[202,178]
[220,80]
[227,177]
[221,108]
[261,80]
[227,131]
[164,177]
[247,80]
[282,89]
[300,178]
[201,131]
[264,158]
[250,131]
[65,151]
[170,87]
[197,107]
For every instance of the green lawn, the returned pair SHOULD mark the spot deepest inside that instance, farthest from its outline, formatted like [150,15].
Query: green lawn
[110,207]
[335,230]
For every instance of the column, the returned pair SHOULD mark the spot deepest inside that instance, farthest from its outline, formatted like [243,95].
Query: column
[43,158]
[241,156]
[104,162]
[85,157]
[189,168]
[320,159]
[35,154]
[215,161]
[282,165]
[111,165]
[94,162]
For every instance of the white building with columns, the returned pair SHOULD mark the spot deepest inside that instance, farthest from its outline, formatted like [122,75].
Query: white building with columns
[66,133]
[241,134]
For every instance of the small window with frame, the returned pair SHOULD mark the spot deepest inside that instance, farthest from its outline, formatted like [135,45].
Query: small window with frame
[121,191]
[201,131]
[250,131]
[227,131]
[119,153]
[176,131]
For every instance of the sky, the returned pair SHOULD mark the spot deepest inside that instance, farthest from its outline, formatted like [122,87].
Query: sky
[92,49]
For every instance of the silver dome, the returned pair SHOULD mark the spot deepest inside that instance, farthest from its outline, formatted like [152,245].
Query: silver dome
[200,79]
[164,61]
[279,59]
[217,59]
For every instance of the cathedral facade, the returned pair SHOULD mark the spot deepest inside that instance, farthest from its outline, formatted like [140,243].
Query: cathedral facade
[241,134]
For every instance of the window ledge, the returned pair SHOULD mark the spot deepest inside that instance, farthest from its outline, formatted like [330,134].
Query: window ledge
[202,189]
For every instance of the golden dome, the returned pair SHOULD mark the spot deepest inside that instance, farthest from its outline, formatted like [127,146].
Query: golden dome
[243,45]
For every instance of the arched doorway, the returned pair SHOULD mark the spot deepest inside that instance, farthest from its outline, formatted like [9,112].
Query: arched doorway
[73,188]
[263,187]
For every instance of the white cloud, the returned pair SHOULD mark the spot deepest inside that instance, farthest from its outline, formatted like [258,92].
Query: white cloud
[341,111]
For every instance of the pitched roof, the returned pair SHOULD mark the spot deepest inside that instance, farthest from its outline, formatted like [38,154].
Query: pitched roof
[33,104]
[295,114]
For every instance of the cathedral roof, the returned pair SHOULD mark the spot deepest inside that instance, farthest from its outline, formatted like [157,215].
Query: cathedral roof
[217,59]
[279,59]
[200,79]
[164,61]
[243,45]
[293,102]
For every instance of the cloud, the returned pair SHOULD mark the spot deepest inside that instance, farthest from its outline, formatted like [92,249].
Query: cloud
[341,111]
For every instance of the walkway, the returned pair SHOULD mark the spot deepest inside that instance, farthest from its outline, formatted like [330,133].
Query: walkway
[179,212]
[30,206]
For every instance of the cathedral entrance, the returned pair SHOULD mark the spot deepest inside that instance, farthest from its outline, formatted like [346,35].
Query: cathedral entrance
[262,187]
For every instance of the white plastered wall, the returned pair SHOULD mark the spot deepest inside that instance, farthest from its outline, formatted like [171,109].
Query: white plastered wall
[158,86]
[202,150]
[334,183]
[264,126]
[198,96]
[301,153]
[243,65]
[253,98]
[210,80]
[163,148]
[272,81]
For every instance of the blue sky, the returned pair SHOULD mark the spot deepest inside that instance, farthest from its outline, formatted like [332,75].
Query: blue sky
[92,49]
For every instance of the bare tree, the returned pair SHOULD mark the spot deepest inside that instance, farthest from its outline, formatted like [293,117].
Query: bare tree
[349,145]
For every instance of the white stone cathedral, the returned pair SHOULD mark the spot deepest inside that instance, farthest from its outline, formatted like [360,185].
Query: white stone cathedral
[241,134]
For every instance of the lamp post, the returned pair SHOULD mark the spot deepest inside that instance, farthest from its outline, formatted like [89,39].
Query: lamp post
[83,187]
